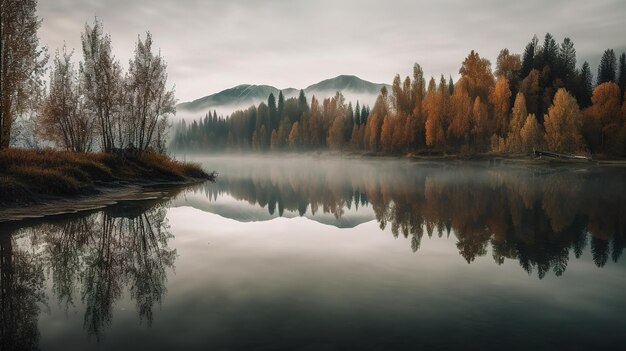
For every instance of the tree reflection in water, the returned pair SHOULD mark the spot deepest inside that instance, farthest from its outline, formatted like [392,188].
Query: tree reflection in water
[535,216]
[97,256]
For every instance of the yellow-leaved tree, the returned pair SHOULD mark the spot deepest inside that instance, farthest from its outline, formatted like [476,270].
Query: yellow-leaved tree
[563,124]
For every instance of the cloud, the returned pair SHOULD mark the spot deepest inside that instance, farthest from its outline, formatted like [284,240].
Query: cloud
[213,45]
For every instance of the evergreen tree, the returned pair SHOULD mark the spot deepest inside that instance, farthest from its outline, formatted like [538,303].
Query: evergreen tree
[585,86]
[303,106]
[550,51]
[528,58]
[621,78]
[273,113]
[450,86]
[607,67]
[281,104]
[567,60]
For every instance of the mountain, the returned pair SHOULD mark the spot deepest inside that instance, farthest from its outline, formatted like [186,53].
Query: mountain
[239,95]
[344,83]
[246,95]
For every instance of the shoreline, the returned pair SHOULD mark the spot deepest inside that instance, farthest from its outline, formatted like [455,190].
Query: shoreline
[113,194]
[37,183]
[490,158]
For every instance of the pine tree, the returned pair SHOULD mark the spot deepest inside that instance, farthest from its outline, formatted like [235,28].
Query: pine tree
[281,105]
[450,86]
[273,113]
[621,78]
[303,106]
[528,58]
[585,86]
[567,60]
[550,51]
[607,67]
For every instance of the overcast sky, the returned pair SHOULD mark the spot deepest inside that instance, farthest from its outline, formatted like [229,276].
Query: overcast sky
[212,45]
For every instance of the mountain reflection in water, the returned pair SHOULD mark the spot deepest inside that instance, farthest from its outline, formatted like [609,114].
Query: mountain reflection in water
[536,216]
[98,264]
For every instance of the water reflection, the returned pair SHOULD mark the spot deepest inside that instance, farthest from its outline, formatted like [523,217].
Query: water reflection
[537,216]
[90,260]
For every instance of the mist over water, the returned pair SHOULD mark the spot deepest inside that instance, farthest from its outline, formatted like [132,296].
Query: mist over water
[319,252]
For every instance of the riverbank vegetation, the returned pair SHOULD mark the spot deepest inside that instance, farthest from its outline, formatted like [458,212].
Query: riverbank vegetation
[538,100]
[110,124]
[28,176]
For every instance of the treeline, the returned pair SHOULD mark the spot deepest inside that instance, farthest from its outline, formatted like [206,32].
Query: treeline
[92,105]
[275,125]
[537,100]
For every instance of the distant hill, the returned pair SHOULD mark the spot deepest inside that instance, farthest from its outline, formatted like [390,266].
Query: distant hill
[239,95]
[245,95]
[344,83]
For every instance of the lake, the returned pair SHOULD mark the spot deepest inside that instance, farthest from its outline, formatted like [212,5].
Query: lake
[324,253]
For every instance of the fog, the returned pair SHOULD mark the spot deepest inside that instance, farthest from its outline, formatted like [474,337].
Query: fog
[226,110]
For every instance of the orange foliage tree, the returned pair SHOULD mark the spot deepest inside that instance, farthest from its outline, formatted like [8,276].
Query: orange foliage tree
[563,124]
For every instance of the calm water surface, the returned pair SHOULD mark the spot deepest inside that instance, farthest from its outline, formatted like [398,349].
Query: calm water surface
[330,254]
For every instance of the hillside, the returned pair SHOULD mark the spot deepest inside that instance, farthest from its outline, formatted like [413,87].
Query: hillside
[244,95]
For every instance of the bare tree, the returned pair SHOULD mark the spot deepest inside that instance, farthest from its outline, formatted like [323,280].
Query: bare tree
[63,119]
[22,62]
[101,78]
[148,101]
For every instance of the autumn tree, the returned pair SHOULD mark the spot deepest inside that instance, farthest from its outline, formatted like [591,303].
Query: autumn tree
[607,67]
[500,100]
[482,126]
[294,136]
[531,134]
[435,108]
[461,106]
[416,120]
[336,112]
[605,121]
[63,118]
[518,120]
[532,92]
[563,124]
[478,76]
[22,62]
[508,66]
[376,119]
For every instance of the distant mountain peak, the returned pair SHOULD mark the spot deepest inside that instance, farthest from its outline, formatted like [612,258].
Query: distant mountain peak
[244,95]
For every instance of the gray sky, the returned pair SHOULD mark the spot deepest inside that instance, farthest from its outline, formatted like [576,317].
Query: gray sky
[213,45]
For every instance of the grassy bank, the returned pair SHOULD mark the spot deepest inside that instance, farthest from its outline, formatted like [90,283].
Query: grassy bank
[28,176]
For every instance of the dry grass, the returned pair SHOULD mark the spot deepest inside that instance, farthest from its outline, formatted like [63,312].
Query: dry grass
[26,175]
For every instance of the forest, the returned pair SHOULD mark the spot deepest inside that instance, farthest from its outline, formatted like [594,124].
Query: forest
[539,99]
